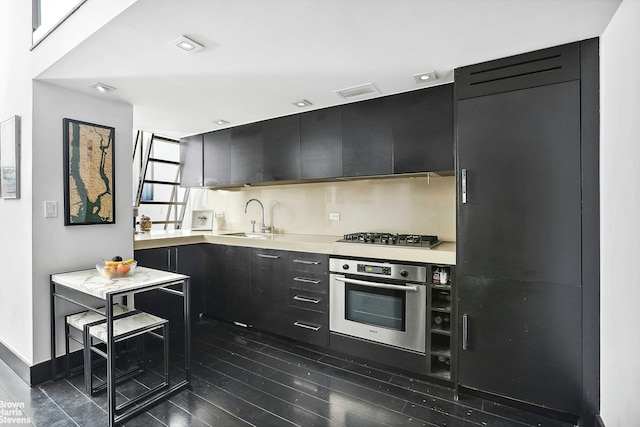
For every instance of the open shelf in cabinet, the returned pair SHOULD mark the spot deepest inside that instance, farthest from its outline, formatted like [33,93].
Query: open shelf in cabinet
[440,317]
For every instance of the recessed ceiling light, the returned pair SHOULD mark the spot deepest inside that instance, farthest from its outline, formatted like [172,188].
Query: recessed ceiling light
[186,44]
[221,122]
[101,87]
[302,103]
[425,77]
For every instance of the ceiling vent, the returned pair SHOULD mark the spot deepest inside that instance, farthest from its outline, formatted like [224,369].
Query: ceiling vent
[358,91]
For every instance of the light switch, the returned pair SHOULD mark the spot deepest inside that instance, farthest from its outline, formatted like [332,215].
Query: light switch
[50,209]
[334,216]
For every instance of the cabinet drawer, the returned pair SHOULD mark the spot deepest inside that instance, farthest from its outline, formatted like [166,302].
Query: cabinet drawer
[309,262]
[309,326]
[309,281]
[306,299]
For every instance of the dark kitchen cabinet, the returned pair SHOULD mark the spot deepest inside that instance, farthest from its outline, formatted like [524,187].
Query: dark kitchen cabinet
[191,162]
[217,157]
[246,153]
[321,143]
[519,246]
[367,138]
[441,350]
[308,288]
[281,149]
[187,259]
[237,281]
[423,130]
[216,289]
[270,270]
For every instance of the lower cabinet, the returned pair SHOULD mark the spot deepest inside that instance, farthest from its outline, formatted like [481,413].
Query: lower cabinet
[269,271]
[309,298]
[238,292]
[186,259]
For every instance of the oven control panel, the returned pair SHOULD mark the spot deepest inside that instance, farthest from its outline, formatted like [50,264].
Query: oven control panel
[403,272]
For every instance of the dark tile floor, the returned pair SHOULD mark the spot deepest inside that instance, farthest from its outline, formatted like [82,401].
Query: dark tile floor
[243,378]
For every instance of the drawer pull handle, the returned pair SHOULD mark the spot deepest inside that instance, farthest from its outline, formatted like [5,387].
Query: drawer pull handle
[304,261]
[302,279]
[302,325]
[268,256]
[305,299]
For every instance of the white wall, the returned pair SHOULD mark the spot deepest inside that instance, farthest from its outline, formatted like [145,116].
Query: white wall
[620,205]
[56,247]
[15,215]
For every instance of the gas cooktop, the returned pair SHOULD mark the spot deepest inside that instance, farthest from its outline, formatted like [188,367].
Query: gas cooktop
[390,239]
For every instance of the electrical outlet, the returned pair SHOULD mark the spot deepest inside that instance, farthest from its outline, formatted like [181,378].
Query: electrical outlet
[334,216]
[219,214]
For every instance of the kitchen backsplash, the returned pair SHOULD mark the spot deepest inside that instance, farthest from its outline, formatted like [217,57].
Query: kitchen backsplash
[418,205]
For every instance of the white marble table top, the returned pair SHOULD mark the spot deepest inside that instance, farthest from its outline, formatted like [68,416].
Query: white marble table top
[92,283]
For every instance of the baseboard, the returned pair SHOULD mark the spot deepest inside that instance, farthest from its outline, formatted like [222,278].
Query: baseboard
[15,363]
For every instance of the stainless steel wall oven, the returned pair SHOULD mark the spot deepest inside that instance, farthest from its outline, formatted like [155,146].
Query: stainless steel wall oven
[380,302]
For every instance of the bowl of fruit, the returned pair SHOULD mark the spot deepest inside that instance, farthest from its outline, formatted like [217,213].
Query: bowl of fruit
[116,267]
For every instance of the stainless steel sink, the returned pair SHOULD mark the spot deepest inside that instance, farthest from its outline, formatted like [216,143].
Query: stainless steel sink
[250,235]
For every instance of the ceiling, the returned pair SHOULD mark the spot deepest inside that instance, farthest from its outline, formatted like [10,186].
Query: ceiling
[262,55]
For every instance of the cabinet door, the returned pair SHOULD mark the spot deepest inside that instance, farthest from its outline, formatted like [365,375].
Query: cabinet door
[216,289]
[191,260]
[157,302]
[367,138]
[191,161]
[246,153]
[521,154]
[281,149]
[423,130]
[238,284]
[522,341]
[321,143]
[270,290]
[217,157]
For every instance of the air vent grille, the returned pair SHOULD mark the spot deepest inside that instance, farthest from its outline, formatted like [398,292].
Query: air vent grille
[542,67]
[358,91]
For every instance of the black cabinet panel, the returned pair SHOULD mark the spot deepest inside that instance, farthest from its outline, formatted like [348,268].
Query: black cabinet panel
[281,149]
[423,130]
[367,138]
[217,157]
[523,341]
[238,284]
[191,162]
[321,143]
[216,304]
[270,271]
[246,153]
[521,152]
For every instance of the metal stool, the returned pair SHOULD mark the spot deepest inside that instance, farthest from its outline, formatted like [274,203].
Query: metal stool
[78,321]
[129,325]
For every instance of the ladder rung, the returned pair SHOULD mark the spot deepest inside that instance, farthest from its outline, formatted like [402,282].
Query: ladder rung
[155,202]
[153,181]
[168,162]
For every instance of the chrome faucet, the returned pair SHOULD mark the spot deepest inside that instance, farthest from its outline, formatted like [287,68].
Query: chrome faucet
[263,227]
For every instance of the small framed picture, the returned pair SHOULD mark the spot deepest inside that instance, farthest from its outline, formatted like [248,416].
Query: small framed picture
[202,220]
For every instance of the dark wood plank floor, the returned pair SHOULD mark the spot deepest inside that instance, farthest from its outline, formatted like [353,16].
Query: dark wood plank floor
[244,378]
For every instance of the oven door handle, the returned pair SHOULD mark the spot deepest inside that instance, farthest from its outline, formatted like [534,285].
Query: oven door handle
[377,285]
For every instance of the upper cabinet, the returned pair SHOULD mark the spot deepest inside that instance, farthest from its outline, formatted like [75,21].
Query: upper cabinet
[281,149]
[246,153]
[321,143]
[191,161]
[217,158]
[367,138]
[423,130]
[398,134]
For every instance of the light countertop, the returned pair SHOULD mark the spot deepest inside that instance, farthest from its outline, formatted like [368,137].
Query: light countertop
[444,253]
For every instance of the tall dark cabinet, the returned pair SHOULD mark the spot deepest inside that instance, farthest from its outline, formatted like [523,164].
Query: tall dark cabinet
[520,148]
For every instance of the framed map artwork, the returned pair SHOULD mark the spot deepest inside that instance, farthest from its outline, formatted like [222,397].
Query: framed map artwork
[89,179]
